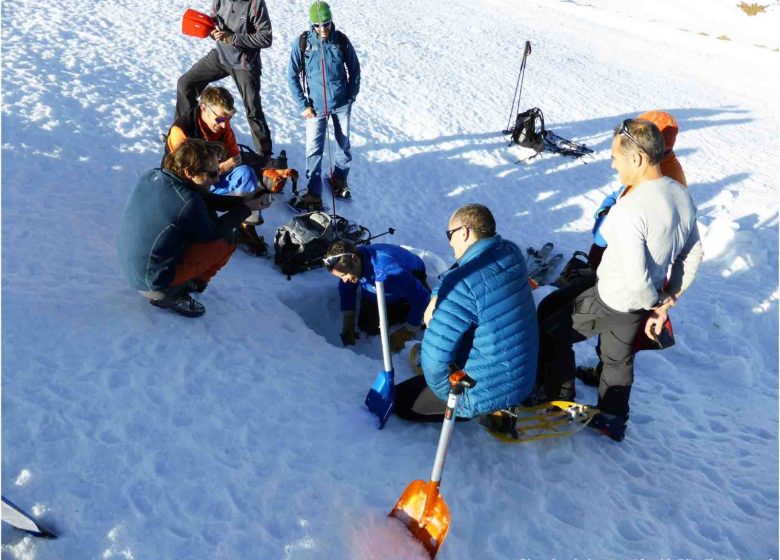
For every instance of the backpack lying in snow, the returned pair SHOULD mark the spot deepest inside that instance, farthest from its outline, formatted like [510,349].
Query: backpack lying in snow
[528,131]
[301,244]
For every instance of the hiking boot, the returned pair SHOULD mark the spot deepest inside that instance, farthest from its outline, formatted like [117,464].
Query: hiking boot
[501,421]
[254,243]
[307,202]
[255,218]
[612,425]
[181,303]
[590,376]
[340,188]
[197,285]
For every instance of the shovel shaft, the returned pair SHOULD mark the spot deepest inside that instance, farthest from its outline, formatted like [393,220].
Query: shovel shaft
[444,438]
[383,331]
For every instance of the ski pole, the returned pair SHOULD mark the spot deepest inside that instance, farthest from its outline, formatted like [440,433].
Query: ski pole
[327,116]
[390,231]
[520,78]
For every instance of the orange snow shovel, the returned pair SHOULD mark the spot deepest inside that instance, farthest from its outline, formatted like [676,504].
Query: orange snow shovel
[196,24]
[421,507]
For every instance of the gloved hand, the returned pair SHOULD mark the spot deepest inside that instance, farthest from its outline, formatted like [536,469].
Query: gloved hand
[348,333]
[399,338]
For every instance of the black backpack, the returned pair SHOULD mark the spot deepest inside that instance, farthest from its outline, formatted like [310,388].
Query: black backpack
[528,131]
[302,243]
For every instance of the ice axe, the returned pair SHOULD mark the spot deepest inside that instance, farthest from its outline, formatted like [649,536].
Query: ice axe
[197,24]
[382,393]
[421,507]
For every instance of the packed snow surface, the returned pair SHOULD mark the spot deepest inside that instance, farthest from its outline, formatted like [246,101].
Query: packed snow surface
[138,434]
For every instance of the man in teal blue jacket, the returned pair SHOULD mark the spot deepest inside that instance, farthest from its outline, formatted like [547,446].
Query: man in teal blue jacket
[483,319]
[326,53]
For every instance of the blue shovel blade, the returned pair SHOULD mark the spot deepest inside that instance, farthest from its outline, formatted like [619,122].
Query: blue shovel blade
[381,396]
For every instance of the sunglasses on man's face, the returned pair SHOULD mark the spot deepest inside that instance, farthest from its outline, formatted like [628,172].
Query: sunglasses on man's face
[450,232]
[625,132]
[219,119]
[323,25]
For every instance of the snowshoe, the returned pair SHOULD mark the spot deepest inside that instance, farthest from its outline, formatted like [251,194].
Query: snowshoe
[548,420]
[302,203]
[558,145]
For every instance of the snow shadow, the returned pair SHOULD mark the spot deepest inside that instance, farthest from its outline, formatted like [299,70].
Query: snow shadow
[532,199]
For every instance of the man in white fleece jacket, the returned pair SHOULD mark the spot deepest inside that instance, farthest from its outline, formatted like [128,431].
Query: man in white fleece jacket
[652,227]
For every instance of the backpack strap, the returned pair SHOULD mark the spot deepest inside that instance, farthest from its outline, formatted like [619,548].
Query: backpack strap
[303,42]
[342,40]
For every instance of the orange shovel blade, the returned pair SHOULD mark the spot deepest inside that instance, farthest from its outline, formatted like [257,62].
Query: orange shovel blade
[425,513]
[196,24]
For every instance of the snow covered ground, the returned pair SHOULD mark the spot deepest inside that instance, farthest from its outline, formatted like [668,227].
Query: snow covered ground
[137,434]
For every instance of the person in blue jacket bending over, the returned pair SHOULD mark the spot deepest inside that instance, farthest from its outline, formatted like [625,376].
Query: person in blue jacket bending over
[406,288]
[482,318]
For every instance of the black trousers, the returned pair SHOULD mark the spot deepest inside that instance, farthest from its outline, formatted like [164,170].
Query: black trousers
[572,315]
[397,312]
[415,402]
[209,69]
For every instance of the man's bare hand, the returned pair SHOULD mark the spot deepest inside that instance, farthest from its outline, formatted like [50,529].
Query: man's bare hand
[309,113]
[428,315]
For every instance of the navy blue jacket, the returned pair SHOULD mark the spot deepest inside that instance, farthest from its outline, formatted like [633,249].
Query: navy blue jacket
[342,73]
[396,267]
[164,215]
[485,321]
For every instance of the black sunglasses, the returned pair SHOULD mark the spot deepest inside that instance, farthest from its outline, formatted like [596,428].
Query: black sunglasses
[323,25]
[625,132]
[449,232]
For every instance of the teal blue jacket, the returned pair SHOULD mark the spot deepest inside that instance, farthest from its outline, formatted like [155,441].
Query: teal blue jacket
[485,321]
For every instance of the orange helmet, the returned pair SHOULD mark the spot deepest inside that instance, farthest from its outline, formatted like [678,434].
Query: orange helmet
[666,123]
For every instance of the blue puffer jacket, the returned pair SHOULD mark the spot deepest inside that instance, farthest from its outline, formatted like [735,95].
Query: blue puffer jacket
[165,214]
[342,72]
[609,201]
[485,321]
[395,266]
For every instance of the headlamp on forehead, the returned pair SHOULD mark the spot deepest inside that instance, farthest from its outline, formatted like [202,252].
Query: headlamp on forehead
[332,261]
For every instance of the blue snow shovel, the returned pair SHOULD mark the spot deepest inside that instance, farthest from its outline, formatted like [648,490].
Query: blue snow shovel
[382,394]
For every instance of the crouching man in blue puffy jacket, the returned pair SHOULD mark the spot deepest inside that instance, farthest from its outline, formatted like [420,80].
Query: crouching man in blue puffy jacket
[483,318]
[406,288]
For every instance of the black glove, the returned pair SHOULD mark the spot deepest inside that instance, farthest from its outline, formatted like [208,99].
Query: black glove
[348,333]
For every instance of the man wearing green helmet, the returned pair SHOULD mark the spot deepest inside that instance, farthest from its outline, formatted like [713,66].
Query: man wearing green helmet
[324,77]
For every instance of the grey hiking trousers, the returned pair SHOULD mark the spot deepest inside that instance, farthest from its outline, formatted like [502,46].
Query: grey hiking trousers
[574,315]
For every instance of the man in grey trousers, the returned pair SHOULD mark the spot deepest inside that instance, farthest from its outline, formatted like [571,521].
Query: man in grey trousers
[652,226]
[243,28]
